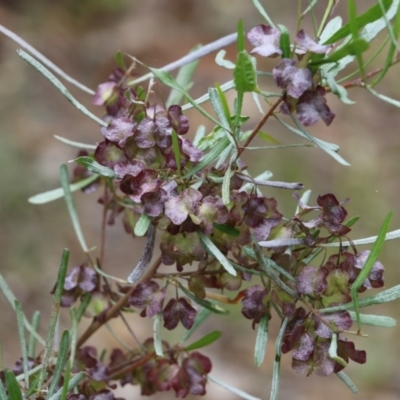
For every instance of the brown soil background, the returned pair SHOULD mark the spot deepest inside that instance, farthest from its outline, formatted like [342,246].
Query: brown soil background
[82,37]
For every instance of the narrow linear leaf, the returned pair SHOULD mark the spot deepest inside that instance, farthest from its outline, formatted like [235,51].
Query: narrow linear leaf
[262,11]
[158,348]
[232,389]
[382,297]
[22,341]
[201,316]
[71,207]
[55,309]
[349,383]
[75,380]
[284,41]
[371,15]
[177,152]
[13,388]
[227,229]
[142,225]
[32,340]
[225,87]
[62,358]
[374,320]
[204,341]
[209,157]
[355,48]
[220,60]
[213,250]
[394,35]
[76,144]
[168,80]
[240,36]
[389,100]
[55,194]
[265,266]
[47,74]
[9,295]
[215,308]
[353,21]
[261,341]
[366,269]
[333,351]
[226,186]
[310,7]
[3,394]
[277,361]
[183,78]
[92,165]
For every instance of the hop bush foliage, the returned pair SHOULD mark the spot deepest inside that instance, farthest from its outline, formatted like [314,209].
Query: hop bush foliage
[228,241]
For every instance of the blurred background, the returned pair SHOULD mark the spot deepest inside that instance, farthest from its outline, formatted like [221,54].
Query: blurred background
[82,38]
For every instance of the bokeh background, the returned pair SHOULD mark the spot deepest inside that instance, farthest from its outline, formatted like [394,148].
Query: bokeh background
[82,38]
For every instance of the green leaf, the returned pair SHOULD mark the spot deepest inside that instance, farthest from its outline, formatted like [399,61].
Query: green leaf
[168,80]
[347,381]
[202,99]
[284,41]
[32,340]
[354,48]
[310,7]
[142,225]
[337,89]
[366,269]
[55,194]
[266,267]
[232,389]
[333,351]
[277,361]
[394,34]
[262,11]
[374,320]
[70,384]
[76,144]
[215,308]
[158,347]
[330,148]
[201,316]
[209,157]
[60,364]
[119,60]
[244,74]
[13,389]
[47,74]
[71,207]
[177,152]
[92,165]
[204,341]
[261,341]
[227,229]
[383,297]
[183,78]
[240,36]
[3,394]
[22,341]
[213,250]
[389,100]
[55,310]
[352,11]
[220,60]
[226,186]
[371,15]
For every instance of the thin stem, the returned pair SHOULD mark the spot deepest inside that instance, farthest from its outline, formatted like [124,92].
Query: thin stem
[103,227]
[96,324]
[259,126]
